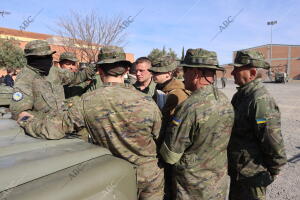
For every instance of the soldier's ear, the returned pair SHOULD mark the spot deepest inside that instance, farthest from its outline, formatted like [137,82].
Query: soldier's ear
[197,73]
[253,73]
[101,72]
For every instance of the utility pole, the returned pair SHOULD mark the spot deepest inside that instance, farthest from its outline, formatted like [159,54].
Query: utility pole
[271,23]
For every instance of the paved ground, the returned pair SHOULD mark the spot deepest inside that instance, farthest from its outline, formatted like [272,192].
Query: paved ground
[287,186]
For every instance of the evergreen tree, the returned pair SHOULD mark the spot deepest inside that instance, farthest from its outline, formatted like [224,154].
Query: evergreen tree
[182,55]
[11,55]
[158,53]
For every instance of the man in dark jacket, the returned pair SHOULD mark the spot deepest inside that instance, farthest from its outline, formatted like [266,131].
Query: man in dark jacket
[8,80]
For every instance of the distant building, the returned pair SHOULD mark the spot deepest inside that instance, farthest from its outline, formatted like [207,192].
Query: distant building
[55,41]
[284,58]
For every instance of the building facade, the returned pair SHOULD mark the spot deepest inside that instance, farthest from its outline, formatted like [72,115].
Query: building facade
[23,37]
[282,58]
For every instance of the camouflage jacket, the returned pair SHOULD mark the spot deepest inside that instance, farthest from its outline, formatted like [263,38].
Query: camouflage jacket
[95,83]
[196,142]
[80,89]
[149,90]
[130,79]
[128,125]
[44,93]
[256,144]
[76,90]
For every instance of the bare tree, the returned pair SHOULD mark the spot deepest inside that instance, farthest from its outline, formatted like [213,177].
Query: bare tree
[85,34]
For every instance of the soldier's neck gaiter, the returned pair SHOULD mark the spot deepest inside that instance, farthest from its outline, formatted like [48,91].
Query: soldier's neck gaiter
[41,64]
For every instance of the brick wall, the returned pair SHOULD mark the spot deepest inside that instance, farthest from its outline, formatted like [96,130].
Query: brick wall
[24,37]
[285,58]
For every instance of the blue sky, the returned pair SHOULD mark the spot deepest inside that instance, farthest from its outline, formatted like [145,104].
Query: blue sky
[174,23]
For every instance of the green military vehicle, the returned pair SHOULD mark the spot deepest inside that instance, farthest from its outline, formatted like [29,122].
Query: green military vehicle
[67,169]
[5,95]
[5,98]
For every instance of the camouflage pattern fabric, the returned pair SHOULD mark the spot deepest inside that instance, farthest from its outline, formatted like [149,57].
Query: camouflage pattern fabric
[131,79]
[80,89]
[68,56]
[76,90]
[111,54]
[38,48]
[44,93]
[256,148]
[150,90]
[196,143]
[128,125]
[95,83]
[163,64]
[201,58]
[252,58]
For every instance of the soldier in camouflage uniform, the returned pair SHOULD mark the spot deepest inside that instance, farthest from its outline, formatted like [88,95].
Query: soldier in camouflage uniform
[118,117]
[39,86]
[67,60]
[196,140]
[256,149]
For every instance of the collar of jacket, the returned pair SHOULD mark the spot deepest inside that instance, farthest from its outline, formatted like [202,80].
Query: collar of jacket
[117,84]
[137,85]
[172,85]
[163,85]
[248,88]
[205,91]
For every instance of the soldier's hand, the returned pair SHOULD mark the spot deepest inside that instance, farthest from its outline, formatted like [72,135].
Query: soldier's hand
[93,67]
[24,116]
[274,177]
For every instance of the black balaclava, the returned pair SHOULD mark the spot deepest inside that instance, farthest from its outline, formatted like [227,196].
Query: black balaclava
[40,64]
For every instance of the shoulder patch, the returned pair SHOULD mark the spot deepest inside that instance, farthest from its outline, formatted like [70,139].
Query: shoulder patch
[17,96]
[261,121]
[176,121]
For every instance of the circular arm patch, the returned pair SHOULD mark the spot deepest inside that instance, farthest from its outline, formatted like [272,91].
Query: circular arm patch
[17,96]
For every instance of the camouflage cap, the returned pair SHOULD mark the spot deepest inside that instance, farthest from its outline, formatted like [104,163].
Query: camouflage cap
[68,56]
[251,57]
[163,64]
[201,58]
[38,48]
[111,54]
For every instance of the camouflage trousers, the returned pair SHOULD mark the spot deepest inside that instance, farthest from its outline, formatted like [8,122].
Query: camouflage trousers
[199,185]
[244,191]
[150,181]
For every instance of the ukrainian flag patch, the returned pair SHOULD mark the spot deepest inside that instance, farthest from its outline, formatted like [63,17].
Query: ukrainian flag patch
[176,121]
[261,121]
[17,96]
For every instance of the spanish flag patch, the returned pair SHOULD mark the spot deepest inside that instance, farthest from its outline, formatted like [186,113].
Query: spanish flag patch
[261,121]
[176,121]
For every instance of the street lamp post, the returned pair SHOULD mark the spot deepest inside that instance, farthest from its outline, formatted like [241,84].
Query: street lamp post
[271,23]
